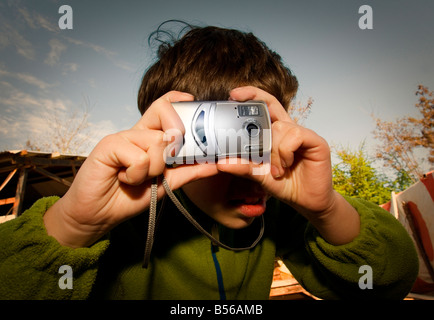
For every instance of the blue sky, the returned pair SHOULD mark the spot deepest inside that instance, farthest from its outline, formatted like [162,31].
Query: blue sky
[348,72]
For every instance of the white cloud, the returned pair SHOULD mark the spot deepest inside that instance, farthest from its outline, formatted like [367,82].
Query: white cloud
[12,29]
[46,24]
[24,115]
[23,102]
[35,123]
[11,37]
[56,104]
[69,67]
[27,78]
[100,129]
[7,126]
[92,46]
[57,48]
[110,55]
[132,110]
[92,83]
[35,20]
[123,65]
[20,99]
[27,116]
[28,18]
[4,39]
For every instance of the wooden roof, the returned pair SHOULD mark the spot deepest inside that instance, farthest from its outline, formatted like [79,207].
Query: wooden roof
[26,176]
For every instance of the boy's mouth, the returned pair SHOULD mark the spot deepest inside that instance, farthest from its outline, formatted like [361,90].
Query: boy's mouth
[249,206]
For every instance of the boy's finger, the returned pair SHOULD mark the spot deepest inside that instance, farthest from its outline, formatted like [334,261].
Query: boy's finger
[117,154]
[179,176]
[277,112]
[161,115]
[244,168]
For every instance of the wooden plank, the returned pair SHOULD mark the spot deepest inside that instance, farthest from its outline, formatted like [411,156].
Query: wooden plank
[7,218]
[7,201]
[21,188]
[9,177]
[283,283]
[8,168]
[53,176]
[417,238]
[36,161]
[294,292]
[74,171]
[286,290]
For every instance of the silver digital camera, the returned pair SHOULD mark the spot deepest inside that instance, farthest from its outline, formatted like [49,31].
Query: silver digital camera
[220,129]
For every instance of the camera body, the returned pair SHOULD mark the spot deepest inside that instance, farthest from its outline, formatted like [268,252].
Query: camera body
[220,129]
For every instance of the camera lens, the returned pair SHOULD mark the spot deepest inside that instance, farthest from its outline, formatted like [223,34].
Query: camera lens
[252,129]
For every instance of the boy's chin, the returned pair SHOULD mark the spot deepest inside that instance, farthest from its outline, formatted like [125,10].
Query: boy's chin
[240,222]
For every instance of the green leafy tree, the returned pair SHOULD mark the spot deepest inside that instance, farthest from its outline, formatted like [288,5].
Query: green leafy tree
[355,175]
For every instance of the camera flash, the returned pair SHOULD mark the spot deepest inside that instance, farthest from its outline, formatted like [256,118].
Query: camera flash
[248,110]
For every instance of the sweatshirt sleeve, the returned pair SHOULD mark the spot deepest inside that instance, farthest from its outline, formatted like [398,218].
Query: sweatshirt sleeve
[30,260]
[381,263]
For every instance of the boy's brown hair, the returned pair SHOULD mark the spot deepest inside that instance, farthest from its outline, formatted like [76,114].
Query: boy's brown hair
[208,62]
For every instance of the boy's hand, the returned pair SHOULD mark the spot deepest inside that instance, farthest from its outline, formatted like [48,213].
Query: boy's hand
[300,173]
[114,182]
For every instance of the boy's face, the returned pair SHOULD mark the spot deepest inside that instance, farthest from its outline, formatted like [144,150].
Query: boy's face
[230,200]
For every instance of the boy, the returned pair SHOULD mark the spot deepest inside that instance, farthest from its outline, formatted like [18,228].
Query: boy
[99,227]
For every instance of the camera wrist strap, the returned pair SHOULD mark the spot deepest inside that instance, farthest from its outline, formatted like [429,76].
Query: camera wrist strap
[187,215]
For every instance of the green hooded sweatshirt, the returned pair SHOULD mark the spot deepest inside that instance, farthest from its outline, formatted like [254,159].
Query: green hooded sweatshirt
[185,264]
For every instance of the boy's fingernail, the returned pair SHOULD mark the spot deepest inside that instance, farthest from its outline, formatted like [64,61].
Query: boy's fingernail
[275,171]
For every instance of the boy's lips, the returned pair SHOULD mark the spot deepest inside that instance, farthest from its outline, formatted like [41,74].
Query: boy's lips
[250,205]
